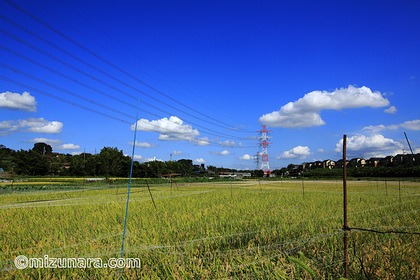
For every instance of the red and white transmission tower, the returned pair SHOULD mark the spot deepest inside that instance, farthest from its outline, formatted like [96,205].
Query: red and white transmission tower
[264,154]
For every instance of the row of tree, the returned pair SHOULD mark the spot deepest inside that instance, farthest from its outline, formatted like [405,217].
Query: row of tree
[41,160]
[111,162]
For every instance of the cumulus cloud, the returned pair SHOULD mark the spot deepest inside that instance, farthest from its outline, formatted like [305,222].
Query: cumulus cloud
[16,101]
[200,160]
[409,125]
[299,152]
[68,146]
[222,153]
[37,125]
[40,125]
[52,142]
[172,129]
[203,141]
[369,146]
[139,158]
[142,144]
[228,143]
[177,153]
[391,110]
[246,157]
[56,144]
[305,112]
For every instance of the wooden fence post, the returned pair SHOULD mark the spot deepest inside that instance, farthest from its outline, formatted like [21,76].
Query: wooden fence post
[345,227]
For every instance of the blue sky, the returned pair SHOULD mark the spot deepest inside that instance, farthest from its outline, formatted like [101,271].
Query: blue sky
[208,74]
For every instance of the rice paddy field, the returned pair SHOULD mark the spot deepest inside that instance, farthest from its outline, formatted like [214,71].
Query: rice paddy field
[238,230]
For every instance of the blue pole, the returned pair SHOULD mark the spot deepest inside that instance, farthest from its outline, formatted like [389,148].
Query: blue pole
[129,185]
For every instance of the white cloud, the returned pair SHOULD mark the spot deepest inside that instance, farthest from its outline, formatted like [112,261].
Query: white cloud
[52,142]
[203,141]
[410,125]
[56,144]
[228,143]
[16,101]
[142,144]
[172,129]
[68,146]
[139,158]
[222,153]
[391,110]
[200,160]
[300,152]
[6,124]
[225,153]
[375,128]
[305,112]
[40,125]
[177,153]
[246,157]
[369,146]
[321,150]
[37,125]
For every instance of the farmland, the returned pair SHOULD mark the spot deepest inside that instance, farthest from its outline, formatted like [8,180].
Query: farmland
[224,230]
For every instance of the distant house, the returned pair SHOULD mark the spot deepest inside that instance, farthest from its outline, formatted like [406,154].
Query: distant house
[387,161]
[407,160]
[373,162]
[340,163]
[241,175]
[317,164]
[172,175]
[227,175]
[330,164]
[357,162]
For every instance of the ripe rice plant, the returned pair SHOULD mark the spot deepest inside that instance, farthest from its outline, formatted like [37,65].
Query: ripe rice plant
[210,230]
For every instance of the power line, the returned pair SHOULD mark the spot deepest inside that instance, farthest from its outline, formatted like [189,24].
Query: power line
[116,67]
[96,79]
[197,141]
[125,48]
[215,133]
[61,99]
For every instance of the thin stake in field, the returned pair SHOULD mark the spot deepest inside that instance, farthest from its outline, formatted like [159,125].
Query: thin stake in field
[231,194]
[129,185]
[303,189]
[150,194]
[399,189]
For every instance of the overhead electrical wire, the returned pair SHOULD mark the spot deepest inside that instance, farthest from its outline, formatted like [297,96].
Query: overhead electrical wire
[61,99]
[87,108]
[217,134]
[94,78]
[131,52]
[214,133]
[21,9]
[78,96]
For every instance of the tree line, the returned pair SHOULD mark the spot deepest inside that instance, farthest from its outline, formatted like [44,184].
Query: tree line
[109,162]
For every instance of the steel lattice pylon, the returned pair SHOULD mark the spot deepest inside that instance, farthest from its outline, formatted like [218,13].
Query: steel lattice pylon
[264,144]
